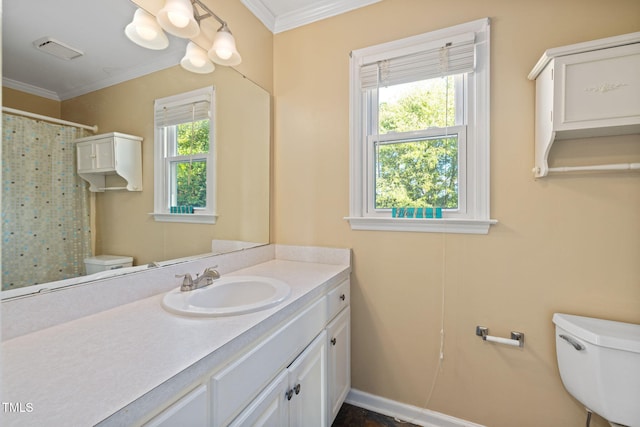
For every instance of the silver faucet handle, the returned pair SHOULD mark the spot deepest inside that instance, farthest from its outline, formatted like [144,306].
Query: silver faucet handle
[187,281]
[211,273]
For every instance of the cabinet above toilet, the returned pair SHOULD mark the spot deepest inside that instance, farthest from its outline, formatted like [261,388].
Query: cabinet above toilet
[110,154]
[589,89]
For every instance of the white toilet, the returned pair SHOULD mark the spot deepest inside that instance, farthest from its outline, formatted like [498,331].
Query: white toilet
[599,362]
[106,262]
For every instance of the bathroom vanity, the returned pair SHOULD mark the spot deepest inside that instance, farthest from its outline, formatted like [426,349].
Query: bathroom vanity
[138,364]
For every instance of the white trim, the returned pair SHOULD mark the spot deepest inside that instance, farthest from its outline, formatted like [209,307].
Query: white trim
[605,43]
[262,12]
[413,414]
[315,11]
[186,218]
[424,225]
[476,219]
[161,196]
[27,88]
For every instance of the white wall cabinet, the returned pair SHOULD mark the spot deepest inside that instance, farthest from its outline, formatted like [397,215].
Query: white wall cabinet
[110,154]
[585,90]
[298,375]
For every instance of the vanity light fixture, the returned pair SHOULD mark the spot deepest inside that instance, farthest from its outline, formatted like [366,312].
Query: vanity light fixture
[182,18]
[145,31]
[196,60]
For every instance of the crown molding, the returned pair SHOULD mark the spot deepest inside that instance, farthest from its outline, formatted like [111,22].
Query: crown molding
[27,88]
[262,12]
[304,15]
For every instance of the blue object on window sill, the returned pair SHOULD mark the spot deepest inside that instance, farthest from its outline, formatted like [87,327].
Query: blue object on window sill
[184,209]
[416,212]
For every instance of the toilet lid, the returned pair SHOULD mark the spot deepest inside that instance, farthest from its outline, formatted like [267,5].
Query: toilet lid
[604,333]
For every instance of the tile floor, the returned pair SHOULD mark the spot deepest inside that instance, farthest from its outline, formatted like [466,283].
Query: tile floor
[353,416]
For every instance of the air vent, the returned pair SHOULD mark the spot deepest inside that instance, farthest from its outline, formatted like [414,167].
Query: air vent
[57,48]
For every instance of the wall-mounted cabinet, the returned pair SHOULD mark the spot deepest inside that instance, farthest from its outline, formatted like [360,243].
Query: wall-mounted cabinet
[110,154]
[586,90]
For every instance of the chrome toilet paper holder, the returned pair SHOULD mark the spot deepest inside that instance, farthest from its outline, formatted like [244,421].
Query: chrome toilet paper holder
[516,340]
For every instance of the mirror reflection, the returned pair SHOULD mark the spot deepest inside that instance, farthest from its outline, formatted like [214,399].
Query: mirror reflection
[118,223]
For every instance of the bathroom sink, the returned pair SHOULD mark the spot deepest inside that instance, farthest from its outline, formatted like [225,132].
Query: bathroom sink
[228,296]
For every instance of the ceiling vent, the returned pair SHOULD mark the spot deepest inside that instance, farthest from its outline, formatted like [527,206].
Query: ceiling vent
[57,48]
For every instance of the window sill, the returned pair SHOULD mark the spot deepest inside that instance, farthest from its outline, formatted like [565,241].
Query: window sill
[186,218]
[424,225]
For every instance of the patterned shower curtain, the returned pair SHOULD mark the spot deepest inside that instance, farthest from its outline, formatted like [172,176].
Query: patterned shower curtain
[45,204]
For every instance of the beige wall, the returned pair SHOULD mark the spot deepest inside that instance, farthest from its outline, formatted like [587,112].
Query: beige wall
[35,104]
[563,244]
[123,224]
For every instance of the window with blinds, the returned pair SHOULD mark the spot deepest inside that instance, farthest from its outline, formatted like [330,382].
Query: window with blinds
[420,132]
[184,175]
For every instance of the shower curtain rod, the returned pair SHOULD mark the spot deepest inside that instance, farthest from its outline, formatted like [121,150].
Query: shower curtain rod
[93,129]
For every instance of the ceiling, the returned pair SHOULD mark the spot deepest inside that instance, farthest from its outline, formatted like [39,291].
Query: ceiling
[97,29]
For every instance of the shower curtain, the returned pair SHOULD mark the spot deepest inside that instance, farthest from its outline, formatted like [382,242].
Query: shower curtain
[45,204]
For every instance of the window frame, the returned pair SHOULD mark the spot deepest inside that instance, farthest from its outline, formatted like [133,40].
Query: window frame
[475,219]
[164,156]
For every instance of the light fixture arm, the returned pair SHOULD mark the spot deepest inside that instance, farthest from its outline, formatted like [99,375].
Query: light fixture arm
[209,13]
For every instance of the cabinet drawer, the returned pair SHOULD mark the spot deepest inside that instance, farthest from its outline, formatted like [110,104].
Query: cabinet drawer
[236,385]
[338,299]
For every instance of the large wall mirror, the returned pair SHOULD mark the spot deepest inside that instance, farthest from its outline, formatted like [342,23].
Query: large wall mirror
[121,220]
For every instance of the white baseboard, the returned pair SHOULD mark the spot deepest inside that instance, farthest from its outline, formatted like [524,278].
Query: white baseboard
[412,414]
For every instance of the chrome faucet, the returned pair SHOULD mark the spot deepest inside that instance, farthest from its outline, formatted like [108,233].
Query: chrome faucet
[207,278]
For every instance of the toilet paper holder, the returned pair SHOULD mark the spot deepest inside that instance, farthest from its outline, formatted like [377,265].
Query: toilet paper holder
[516,340]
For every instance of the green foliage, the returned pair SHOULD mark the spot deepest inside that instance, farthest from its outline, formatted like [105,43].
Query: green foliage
[193,138]
[191,176]
[420,172]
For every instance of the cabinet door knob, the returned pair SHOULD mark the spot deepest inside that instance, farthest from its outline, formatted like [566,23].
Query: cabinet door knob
[333,341]
[342,297]
[297,388]
[289,394]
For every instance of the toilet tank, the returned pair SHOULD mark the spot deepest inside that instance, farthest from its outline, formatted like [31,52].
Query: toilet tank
[107,262]
[599,363]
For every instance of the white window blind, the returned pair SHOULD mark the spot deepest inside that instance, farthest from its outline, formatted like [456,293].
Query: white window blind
[182,111]
[455,55]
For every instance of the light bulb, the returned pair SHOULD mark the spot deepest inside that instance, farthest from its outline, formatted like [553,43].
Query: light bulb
[178,19]
[224,53]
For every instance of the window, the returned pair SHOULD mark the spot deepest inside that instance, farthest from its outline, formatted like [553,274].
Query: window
[420,133]
[184,158]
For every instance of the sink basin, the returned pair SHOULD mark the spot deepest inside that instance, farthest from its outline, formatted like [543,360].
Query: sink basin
[228,296]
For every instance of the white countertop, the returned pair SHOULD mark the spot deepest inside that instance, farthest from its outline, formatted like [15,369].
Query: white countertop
[84,372]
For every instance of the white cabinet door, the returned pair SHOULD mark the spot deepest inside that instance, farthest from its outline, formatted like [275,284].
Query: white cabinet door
[599,88]
[298,395]
[97,155]
[104,150]
[270,408]
[85,156]
[339,361]
[191,410]
[308,386]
